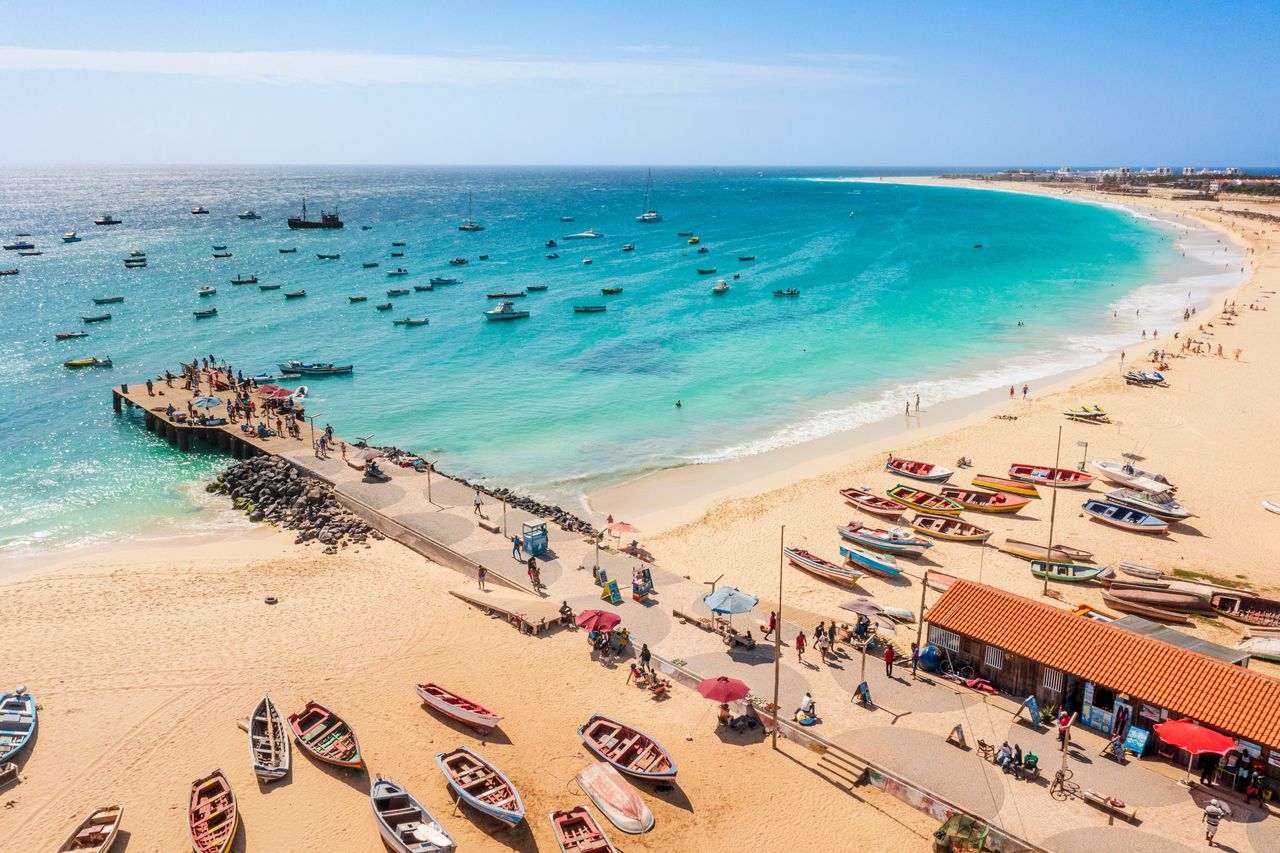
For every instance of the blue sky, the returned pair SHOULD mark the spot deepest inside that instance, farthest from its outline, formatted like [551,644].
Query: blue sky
[591,82]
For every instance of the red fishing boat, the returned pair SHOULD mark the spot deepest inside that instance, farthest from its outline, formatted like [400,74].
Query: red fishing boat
[629,750]
[1064,478]
[212,815]
[978,501]
[577,832]
[463,710]
[325,735]
[864,500]
[926,471]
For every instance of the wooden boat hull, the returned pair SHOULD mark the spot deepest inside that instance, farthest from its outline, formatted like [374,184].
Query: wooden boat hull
[628,749]
[269,749]
[316,371]
[1069,572]
[616,799]
[874,504]
[924,471]
[951,529]
[922,501]
[96,833]
[458,708]
[1264,648]
[1002,484]
[1164,599]
[878,564]
[1144,610]
[989,502]
[821,568]
[212,816]
[1139,571]
[1125,518]
[466,773]
[326,736]
[1251,610]
[18,722]
[576,831]
[1054,478]
[404,823]
[939,581]
[1031,551]
[884,540]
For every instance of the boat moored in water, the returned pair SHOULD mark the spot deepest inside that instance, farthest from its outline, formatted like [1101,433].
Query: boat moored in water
[506,311]
[308,368]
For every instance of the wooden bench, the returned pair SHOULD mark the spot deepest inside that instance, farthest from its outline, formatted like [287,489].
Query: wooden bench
[1093,798]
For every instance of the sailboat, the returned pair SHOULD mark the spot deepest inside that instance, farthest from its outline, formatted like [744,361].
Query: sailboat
[470,224]
[649,215]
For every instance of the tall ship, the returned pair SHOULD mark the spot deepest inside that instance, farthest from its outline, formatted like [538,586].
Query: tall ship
[649,215]
[326,220]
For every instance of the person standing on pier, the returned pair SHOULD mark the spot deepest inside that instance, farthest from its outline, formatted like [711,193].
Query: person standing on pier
[480,576]
[477,502]
[515,548]
[150,392]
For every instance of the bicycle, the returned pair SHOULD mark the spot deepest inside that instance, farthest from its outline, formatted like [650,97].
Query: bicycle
[1062,788]
[948,669]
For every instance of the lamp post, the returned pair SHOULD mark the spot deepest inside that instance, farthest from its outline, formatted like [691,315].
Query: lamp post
[311,419]
[1053,512]
[431,466]
[777,634]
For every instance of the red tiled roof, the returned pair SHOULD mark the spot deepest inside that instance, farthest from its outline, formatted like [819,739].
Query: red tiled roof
[1235,700]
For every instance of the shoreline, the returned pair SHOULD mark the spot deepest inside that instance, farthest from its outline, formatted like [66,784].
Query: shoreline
[664,500]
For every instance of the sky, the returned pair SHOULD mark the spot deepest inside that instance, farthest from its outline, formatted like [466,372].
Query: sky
[648,83]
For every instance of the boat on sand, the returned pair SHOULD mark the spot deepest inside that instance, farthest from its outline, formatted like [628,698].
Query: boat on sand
[96,833]
[980,501]
[481,785]
[940,527]
[919,499]
[1002,484]
[17,722]
[1250,609]
[1127,474]
[864,500]
[404,823]
[326,736]
[212,816]
[1069,572]
[616,798]
[455,707]
[1126,518]
[897,540]
[577,832]
[925,471]
[1065,478]
[268,741]
[1146,610]
[1032,551]
[878,564]
[815,565]
[628,749]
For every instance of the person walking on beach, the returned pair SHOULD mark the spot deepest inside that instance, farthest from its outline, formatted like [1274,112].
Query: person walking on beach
[1024,392]
[481,573]
[476,502]
[515,548]
[773,624]
[1213,814]
[535,576]
[800,640]
[822,644]
[915,658]
[646,657]
[1010,392]
[888,661]
[831,635]
[917,402]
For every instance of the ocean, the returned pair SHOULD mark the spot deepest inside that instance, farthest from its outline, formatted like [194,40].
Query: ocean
[896,298]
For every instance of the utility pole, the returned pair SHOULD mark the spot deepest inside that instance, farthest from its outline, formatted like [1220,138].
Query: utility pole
[924,586]
[777,634]
[1053,512]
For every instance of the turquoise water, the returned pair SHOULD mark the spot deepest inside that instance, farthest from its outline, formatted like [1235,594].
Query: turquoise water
[894,300]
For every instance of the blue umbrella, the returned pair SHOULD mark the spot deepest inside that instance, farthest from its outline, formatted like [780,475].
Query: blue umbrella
[730,600]
[206,402]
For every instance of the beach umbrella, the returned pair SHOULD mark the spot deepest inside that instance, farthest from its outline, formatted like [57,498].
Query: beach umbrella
[206,402]
[364,454]
[598,620]
[621,527]
[863,607]
[723,689]
[728,599]
[1194,738]
[282,392]
[266,390]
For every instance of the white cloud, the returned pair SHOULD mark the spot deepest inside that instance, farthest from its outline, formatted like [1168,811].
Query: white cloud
[642,73]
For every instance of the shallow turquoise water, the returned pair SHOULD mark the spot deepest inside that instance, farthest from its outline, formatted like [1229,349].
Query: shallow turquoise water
[895,300]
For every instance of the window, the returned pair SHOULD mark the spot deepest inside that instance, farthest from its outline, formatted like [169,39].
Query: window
[946,639]
[994,657]
[1053,679]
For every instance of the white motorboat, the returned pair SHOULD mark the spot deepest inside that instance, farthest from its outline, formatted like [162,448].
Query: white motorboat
[589,234]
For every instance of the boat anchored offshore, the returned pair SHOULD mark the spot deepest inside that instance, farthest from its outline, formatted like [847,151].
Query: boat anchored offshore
[506,311]
[470,224]
[308,368]
[589,234]
[649,215]
[326,220]
[248,215]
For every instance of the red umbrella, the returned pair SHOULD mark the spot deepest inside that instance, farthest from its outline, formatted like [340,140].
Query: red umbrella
[267,390]
[723,689]
[622,527]
[598,620]
[1194,738]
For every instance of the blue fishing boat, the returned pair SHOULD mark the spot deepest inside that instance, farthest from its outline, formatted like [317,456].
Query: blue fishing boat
[1126,518]
[17,722]
[481,785]
[310,368]
[878,564]
[894,540]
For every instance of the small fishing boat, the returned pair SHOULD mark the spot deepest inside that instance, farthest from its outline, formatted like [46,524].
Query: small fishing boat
[71,237]
[506,311]
[108,300]
[212,816]
[398,244]
[721,286]
[401,255]
[694,240]
[1067,478]
[64,336]
[455,707]
[1165,599]
[11,271]
[19,246]
[399,271]
[410,321]
[864,500]
[481,785]
[1145,610]
[325,735]
[211,312]
[550,244]
[1126,474]
[611,291]
[30,253]
[206,291]
[1160,504]
[953,529]
[17,722]
[268,287]
[703,250]
[589,234]
[458,262]
[586,262]
[918,499]
[366,227]
[1000,484]
[790,291]
[577,832]
[629,750]
[199,211]
[243,279]
[423,288]
[215,248]
[87,362]
[330,257]
[290,251]
[520,294]
[1252,610]
[628,247]
[616,798]
[707,270]
[96,833]
[97,318]
[397,291]
[684,233]
[589,309]
[1032,551]
[248,215]
[1126,518]
[106,219]
[939,581]
[1069,572]
[979,501]
[925,471]
[878,564]
[553,256]
[404,823]
[216,255]
[536,287]
[746,257]
[386,306]
[897,541]
[307,368]
[1138,570]
[370,265]
[438,280]
[295,294]
[815,565]
[268,741]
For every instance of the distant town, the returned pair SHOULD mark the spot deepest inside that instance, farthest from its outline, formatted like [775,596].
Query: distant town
[1187,182]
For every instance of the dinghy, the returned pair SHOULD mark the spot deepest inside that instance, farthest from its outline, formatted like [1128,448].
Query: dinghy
[1165,599]
[1000,484]
[979,501]
[325,735]
[918,499]
[481,785]
[1145,610]
[212,816]
[17,722]
[96,833]
[1032,551]
[896,541]
[404,823]
[107,300]
[864,500]
[354,299]
[411,321]
[454,706]
[1138,570]
[815,565]
[1126,474]
[1064,478]
[577,832]
[926,471]
[268,741]
[953,529]
[878,564]
[616,798]
[1069,572]
[1126,518]
[629,750]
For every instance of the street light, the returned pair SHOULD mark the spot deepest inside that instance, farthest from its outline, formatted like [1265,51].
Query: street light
[311,419]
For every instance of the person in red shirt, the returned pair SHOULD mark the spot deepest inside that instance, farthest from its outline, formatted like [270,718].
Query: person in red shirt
[888,661]
[800,645]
